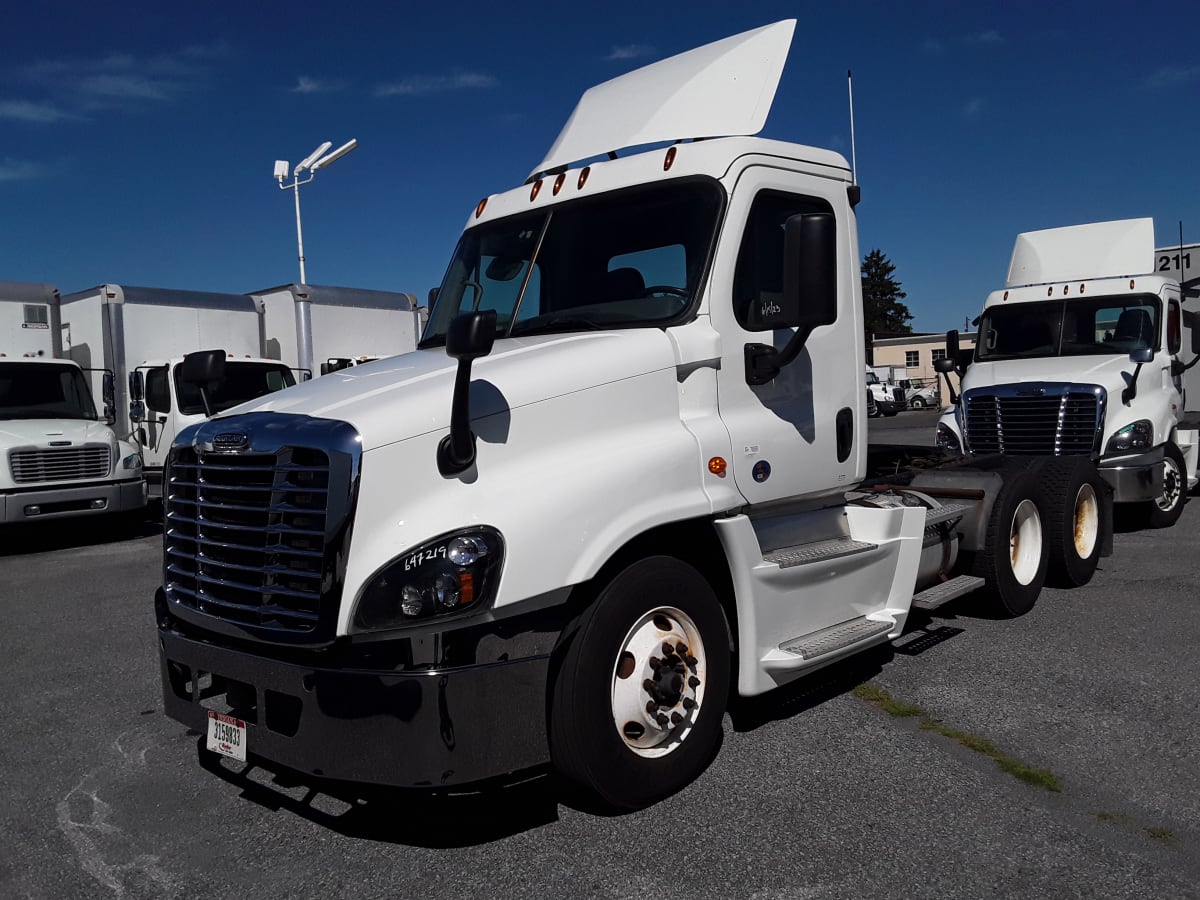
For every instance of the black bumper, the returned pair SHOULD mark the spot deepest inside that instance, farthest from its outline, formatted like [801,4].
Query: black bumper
[406,729]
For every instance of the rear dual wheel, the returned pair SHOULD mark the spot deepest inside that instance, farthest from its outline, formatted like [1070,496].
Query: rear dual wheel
[1014,559]
[639,694]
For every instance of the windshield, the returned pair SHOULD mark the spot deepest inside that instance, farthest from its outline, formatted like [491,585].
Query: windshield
[627,259]
[30,390]
[1079,327]
[872,378]
[243,381]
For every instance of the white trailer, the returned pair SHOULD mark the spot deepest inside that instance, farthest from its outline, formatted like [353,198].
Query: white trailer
[315,328]
[624,474]
[58,456]
[143,334]
[1085,352]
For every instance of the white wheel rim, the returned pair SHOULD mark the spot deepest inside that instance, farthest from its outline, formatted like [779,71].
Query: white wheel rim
[1025,542]
[1172,486]
[651,711]
[1087,521]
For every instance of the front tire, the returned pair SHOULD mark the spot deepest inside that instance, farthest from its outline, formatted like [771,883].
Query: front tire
[1014,561]
[916,403]
[637,701]
[1166,510]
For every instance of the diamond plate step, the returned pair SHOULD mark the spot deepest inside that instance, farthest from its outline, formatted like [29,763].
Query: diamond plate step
[932,598]
[946,513]
[803,554]
[838,637]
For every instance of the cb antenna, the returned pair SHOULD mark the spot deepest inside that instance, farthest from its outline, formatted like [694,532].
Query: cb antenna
[855,191]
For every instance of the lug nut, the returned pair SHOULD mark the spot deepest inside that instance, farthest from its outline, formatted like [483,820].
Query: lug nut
[655,662]
[649,686]
[676,718]
[662,720]
[681,648]
[691,660]
[651,706]
[668,650]
[689,703]
[694,682]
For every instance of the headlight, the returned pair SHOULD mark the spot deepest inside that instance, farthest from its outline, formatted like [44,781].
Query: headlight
[948,440]
[453,574]
[132,462]
[1138,435]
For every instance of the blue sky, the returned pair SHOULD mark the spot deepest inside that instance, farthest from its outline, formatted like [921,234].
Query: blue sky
[138,139]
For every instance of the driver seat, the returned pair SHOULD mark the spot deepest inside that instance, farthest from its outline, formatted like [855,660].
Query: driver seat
[623,284]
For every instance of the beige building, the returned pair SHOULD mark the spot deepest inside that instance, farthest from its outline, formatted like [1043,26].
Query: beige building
[916,353]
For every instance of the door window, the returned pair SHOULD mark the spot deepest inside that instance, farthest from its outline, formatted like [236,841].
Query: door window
[158,392]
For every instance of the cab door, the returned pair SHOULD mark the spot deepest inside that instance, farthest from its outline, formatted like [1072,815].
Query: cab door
[801,434]
[159,426]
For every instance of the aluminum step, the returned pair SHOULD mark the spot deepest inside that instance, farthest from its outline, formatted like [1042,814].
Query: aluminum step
[838,637]
[948,512]
[939,594]
[817,551]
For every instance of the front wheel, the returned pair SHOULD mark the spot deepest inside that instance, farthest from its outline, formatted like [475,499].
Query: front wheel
[638,697]
[1074,519]
[916,403]
[1168,507]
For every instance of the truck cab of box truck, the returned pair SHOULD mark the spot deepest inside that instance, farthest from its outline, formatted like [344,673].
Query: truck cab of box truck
[621,477]
[1083,353]
[164,401]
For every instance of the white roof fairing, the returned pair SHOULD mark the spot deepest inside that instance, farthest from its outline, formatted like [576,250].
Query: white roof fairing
[719,90]
[1080,252]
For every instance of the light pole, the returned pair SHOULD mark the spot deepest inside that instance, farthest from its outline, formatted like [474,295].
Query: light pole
[318,159]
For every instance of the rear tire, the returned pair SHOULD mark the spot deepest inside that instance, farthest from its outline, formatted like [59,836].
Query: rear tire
[1013,561]
[1166,510]
[1074,493]
[630,723]
[916,403]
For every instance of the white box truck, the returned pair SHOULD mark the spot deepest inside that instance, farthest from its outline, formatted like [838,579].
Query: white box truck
[316,329]
[624,475]
[143,334]
[58,456]
[1087,351]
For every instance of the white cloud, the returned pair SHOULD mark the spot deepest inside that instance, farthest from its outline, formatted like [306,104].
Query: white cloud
[983,37]
[307,85]
[973,108]
[28,111]
[630,51]
[19,170]
[1169,76]
[434,84]
[932,45]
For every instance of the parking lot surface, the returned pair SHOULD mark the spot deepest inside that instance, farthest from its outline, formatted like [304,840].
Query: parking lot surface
[892,775]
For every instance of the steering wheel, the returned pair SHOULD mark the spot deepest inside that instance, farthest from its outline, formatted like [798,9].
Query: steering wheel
[666,289]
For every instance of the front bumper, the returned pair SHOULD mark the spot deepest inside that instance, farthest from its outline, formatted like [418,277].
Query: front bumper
[1135,478]
[415,728]
[75,500]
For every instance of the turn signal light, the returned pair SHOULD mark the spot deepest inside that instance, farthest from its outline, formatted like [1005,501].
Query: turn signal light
[717,466]
[479,208]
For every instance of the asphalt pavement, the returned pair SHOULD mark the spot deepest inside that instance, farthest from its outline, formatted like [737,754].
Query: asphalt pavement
[882,777]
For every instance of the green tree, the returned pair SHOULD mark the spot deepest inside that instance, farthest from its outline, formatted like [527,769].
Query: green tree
[882,310]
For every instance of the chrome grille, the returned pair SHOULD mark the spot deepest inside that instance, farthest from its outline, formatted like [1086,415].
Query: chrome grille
[34,465]
[1045,420]
[253,539]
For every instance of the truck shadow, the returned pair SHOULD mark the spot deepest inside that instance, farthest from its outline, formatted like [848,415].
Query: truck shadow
[436,819]
[63,534]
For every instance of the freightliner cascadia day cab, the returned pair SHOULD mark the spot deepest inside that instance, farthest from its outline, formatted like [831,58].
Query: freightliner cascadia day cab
[58,457]
[621,478]
[1087,351]
[143,336]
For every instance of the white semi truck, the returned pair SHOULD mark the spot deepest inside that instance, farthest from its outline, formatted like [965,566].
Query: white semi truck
[624,476]
[58,457]
[142,335]
[1088,351]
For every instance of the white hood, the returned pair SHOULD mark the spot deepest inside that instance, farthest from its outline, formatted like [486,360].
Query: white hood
[43,432]
[405,396]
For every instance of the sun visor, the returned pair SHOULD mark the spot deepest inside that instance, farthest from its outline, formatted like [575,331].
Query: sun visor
[1078,252]
[721,89]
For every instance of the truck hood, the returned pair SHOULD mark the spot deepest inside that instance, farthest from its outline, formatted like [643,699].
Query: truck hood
[404,396]
[41,432]
[1102,370]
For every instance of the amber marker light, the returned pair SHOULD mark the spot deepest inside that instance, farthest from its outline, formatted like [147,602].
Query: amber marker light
[1131,284]
[1005,297]
[583,177]
[1065,289]
[558,182]
[670,160]
[537,186]
[1082,288]
[717,466]
[479,209]
[1050,291]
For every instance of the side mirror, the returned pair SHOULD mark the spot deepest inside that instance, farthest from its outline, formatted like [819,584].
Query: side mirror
[944,366]
[469,337]
[137,385]
[809,293]
[137,411]
[1141,356]
[952,343]
[106,389]
[433,295]
[202,367]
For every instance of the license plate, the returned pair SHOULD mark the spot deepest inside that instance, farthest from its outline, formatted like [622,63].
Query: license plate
[227,736]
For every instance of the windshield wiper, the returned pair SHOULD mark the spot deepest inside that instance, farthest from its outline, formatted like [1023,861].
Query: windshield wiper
[549,324]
